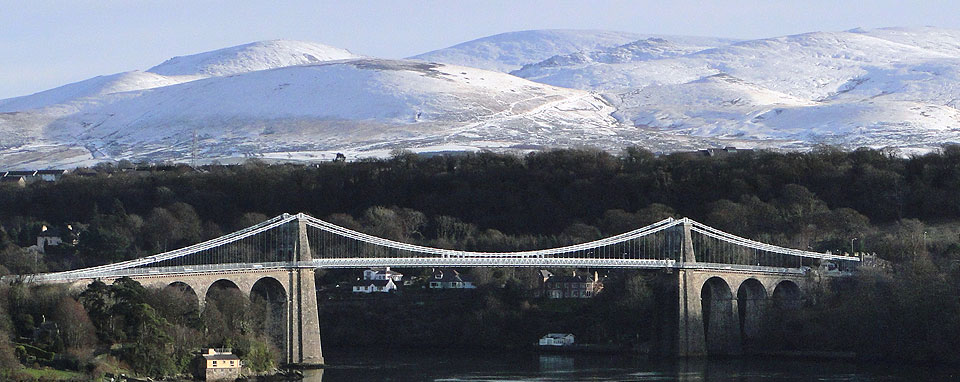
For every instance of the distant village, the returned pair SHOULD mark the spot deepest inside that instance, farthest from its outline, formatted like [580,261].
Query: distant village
[22,178]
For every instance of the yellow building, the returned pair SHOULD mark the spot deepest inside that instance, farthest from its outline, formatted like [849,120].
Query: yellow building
[219,366]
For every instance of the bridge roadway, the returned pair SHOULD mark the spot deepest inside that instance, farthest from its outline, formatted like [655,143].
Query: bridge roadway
[711,308]
[362,263]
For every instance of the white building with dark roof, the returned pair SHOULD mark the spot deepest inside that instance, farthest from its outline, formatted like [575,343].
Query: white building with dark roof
[557,339]
[374,286]
[378,281]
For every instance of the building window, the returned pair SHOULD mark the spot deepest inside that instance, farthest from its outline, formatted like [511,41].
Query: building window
[231,363]
[214,363]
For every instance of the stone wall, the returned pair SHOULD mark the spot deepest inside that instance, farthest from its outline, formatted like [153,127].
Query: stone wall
[222,374]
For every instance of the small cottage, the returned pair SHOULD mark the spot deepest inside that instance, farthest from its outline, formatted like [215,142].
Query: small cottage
[54,236]
[557,339]
[50,175]
[219,366]
[18,181]
[382,274]
[374,286]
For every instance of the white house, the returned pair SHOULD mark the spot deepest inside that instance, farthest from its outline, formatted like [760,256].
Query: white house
[449,279]
[374,286]
[557,339]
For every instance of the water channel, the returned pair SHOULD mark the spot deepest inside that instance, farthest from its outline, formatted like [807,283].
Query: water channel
[408,365]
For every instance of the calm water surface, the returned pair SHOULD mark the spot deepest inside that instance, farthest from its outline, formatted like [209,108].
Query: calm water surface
[398,365]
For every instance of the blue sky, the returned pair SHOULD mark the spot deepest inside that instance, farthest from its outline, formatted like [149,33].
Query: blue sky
[44,44]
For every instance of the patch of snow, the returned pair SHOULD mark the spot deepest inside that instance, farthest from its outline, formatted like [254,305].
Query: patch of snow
[509,51]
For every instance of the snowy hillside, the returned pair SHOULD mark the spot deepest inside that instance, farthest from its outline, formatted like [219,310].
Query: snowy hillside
[809,65]
[250,57]
[862,87]
[100,85]
[238,59]
[509,51]
[357,106]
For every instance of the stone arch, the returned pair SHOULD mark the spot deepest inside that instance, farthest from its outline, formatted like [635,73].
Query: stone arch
[184,288]
[219,285]
[269,301]
[224,308]
[272,282]
[716,301]
[787,295]
[751,306]
[223,284]
[181,302]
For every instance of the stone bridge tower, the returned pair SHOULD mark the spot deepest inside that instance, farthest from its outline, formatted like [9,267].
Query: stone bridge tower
[304,345]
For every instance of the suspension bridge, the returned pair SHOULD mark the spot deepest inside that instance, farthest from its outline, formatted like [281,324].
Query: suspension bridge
[276,259]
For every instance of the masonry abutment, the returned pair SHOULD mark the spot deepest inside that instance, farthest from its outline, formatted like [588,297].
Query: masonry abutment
[712,318]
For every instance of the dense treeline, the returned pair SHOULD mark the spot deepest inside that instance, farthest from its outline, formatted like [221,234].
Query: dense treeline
[125,214]
[905,209]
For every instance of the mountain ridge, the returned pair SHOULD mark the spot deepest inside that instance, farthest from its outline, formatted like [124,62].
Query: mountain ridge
[301,101]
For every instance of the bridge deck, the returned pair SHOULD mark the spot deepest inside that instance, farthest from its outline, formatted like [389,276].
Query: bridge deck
[348,263]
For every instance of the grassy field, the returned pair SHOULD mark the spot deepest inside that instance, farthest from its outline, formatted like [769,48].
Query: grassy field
[54,375]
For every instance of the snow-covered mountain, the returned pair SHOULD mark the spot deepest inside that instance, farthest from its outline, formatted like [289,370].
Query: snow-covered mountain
[291,100]
[222,62]
[359,106]
[898,87]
